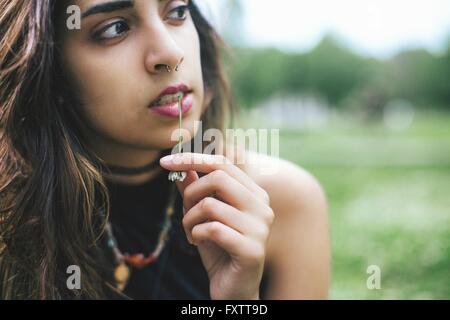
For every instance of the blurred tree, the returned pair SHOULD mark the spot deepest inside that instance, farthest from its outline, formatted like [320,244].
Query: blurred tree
[441,86]
[333,70]
[257,75]
[420,77]
[344,78]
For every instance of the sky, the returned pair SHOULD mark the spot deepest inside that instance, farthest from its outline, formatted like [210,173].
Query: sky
[378,28]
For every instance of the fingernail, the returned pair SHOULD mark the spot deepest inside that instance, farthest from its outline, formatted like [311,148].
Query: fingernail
[167,159]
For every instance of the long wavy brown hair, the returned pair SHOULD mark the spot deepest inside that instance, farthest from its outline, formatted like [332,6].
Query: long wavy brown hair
[51,184]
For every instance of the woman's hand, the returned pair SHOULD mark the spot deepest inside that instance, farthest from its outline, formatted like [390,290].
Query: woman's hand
[228,217]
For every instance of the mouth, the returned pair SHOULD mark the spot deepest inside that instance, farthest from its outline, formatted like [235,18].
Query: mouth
[170,95]
[166,103]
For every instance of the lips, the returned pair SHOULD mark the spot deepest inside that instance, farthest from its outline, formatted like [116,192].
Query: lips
[170,95]
[172,109]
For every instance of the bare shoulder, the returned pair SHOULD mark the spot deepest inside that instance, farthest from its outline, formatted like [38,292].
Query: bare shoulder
[291,188]
[298,250]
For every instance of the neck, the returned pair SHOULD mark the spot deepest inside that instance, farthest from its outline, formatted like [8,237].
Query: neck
[119,155]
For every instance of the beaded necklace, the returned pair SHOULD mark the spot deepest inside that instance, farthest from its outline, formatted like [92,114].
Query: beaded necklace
[123,261]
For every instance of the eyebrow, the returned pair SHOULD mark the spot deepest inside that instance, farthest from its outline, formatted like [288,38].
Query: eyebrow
[108,7]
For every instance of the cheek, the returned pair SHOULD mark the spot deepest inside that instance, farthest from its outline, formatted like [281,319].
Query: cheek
[105,89]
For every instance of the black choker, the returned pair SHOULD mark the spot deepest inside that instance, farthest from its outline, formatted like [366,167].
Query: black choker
[127,171]
[132,171]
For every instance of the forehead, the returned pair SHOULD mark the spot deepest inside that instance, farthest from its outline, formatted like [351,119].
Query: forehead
[85,4]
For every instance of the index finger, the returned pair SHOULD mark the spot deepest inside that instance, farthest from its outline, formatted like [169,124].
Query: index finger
[206,163]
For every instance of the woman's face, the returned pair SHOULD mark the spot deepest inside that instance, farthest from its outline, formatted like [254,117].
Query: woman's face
[117,60]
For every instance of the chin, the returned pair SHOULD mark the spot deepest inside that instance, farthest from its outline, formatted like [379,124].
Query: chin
[162,144]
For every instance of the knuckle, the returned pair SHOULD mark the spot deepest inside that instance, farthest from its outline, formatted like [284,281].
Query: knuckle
[194,232]
[215,229]
[217,176]
[208,204]
[185,223]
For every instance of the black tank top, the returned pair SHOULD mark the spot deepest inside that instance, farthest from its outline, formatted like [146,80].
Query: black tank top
[136,215]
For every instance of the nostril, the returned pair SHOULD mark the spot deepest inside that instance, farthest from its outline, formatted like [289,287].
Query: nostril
[162,67]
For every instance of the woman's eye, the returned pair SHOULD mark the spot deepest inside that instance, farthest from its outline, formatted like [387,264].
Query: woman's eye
[179,13]
[112,31]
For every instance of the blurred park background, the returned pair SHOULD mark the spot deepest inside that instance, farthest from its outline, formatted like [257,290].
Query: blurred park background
[360,91]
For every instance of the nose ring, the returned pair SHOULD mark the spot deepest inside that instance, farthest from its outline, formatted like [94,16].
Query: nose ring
[177,68]
[178,65]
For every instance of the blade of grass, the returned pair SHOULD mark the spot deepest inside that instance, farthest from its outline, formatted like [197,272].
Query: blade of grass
[180,122]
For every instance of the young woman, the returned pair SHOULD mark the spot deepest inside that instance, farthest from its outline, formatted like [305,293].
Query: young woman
[83,128]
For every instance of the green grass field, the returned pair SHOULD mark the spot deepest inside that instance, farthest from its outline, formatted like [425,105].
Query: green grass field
[389,203]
